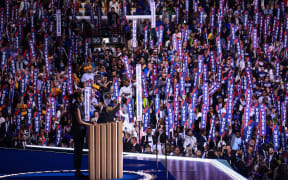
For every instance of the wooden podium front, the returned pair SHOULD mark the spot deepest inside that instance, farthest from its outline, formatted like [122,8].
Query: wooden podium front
[105,151]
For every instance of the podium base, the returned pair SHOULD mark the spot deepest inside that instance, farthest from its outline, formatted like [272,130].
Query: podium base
[105,151]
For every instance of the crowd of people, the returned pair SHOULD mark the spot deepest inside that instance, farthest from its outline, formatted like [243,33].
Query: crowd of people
[214,77]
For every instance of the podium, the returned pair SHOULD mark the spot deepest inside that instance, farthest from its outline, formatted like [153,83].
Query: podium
[105,151]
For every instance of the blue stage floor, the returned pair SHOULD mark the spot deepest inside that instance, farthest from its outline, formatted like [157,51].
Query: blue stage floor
[14,161]
[19,161]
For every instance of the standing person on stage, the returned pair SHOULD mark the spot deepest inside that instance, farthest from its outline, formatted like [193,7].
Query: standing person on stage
[78,129]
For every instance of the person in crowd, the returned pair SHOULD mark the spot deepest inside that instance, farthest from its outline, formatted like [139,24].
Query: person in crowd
[201,140]
[147,149]
[126,90]
[177,140]
[190,142]
[134,146]
[148,139]
[88,76]
[112,17]
[236,141]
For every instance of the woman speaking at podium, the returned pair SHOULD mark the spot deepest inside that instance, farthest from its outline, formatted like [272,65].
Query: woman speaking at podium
[78,129]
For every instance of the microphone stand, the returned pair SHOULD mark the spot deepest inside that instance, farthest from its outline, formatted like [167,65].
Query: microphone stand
[166,153]
[157,159]
[166,167]
[157,147]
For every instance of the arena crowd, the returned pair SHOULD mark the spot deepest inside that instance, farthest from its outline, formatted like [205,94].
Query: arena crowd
[214,76]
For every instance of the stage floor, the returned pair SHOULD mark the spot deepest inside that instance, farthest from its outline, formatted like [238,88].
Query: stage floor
[15,161]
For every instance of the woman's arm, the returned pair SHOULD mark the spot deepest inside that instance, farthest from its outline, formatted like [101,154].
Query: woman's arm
[78,118]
